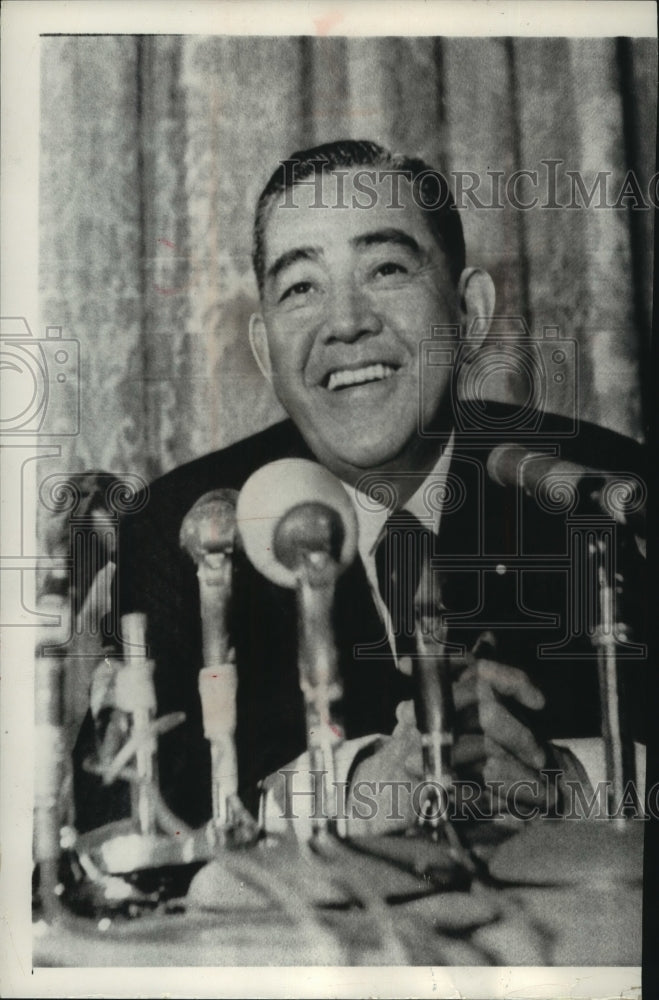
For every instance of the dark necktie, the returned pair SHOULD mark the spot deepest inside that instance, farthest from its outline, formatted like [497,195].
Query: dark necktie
[401,555]
[402,561]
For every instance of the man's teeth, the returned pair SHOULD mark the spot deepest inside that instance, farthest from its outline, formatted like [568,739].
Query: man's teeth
[370,373]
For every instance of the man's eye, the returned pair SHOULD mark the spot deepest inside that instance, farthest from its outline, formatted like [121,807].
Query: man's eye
[299,288]
[389,268]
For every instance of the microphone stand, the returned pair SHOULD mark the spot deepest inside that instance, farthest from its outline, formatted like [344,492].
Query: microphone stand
[304,541]
[435,718]
[208,534]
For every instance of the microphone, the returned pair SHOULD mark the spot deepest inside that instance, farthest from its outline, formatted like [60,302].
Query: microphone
[515,465]
[551,479]
[555,482]
[272,492]
[433,704]
[299,529]
[208,535]
[49,774]
[135,695]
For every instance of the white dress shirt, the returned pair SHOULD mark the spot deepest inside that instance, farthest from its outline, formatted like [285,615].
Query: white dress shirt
[371,520]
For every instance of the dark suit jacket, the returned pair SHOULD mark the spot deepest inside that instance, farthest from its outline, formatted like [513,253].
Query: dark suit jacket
[491,528]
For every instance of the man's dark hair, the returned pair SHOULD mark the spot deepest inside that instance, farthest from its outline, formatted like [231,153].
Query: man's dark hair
[429,186]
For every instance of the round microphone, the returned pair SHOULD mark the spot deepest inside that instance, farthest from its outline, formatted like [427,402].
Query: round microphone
[310,535]
[210,525]
[208,535]
[294,513]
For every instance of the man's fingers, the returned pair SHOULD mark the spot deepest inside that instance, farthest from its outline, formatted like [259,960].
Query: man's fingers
[520,783]
[474,754]
[510,784]
[502,729]
[510,682]
[469,751]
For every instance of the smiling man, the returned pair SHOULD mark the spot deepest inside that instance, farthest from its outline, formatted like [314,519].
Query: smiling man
[359,255]
[349,292]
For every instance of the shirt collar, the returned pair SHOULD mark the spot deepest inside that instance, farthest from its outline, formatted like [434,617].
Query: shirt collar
[417,504]
[371,515]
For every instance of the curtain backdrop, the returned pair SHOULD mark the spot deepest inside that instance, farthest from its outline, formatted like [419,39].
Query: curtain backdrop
[154,150]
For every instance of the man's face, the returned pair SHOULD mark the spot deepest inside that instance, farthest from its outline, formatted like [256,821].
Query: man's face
[349,295]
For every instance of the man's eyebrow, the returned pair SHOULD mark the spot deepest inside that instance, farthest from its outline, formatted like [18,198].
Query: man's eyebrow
[376,238]
[388,235]
[291,257]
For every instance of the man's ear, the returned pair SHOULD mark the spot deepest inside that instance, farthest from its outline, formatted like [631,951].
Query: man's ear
[477,297]
[258,341]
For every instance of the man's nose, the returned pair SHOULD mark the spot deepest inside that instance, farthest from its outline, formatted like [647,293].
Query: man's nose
[351,315]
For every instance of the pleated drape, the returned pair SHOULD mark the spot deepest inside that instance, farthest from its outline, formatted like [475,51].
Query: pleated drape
[154,150]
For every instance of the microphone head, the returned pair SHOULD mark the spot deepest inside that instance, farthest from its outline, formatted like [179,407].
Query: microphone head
[505,464]
[210,524]
[515,465]
[291,510]
[310,534]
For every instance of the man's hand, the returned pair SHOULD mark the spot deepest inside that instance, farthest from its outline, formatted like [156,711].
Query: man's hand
[496,746]
[492,743]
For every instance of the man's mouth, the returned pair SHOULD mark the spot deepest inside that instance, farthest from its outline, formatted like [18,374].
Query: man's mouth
[345,377]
